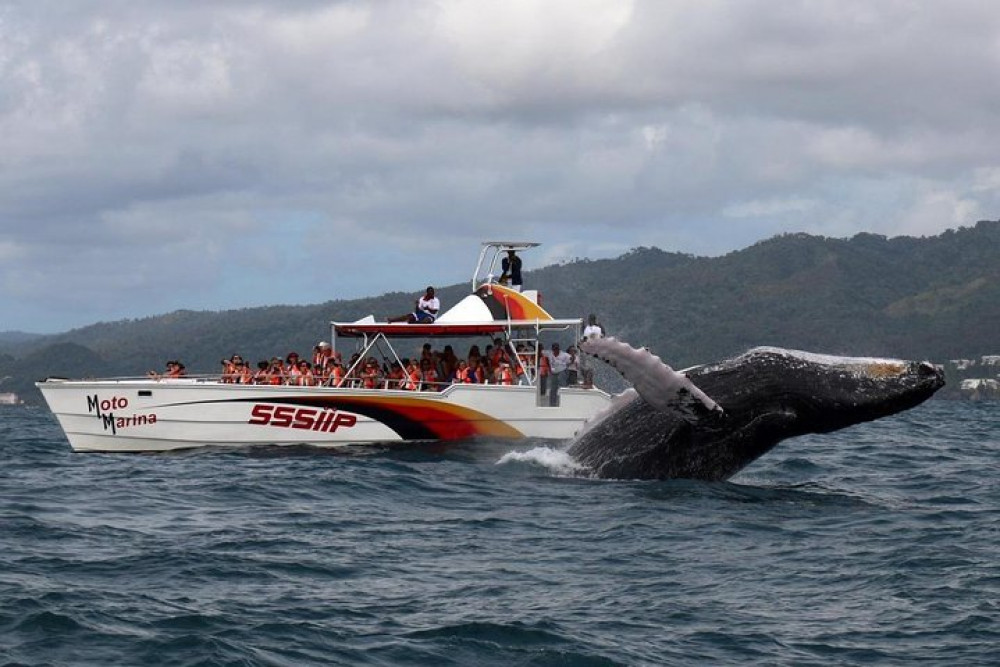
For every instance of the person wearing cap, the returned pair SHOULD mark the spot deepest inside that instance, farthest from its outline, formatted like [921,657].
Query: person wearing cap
[322,354]
[425,310]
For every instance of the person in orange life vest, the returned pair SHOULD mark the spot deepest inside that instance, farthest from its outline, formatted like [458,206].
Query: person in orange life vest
[322,354]
[505,376]
[462,373]
[395,377]
[263,373]
[276,371]
[425,310]
[544,371]
[228,371]
[293,374]
[244,374]
[482,372]
[307,377]
[430,375]
[173,369]
[369,376]
[412,380]
[498,354]
[337,374]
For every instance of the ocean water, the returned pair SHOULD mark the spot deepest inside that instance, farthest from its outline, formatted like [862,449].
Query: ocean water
[879,544]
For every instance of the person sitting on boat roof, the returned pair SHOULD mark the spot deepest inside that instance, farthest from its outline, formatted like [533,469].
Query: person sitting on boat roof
[424,312]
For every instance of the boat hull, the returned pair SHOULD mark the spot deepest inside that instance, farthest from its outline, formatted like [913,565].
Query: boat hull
[151,415]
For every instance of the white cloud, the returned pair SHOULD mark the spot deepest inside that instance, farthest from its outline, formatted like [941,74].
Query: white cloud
[151,147]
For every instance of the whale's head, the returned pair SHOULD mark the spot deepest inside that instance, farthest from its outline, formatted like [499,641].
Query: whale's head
[824,392]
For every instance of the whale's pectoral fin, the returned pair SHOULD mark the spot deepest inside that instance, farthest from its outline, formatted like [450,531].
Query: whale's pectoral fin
[659,385]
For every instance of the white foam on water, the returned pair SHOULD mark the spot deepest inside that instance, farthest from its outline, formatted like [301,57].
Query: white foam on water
[556,460]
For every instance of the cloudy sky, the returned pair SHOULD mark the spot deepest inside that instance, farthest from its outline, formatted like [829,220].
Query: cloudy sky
[213,154]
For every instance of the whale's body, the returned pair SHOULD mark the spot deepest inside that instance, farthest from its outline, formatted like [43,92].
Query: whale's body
[710,422]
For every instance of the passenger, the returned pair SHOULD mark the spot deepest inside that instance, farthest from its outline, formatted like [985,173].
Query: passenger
[338,374]
[462,373]
[170,371]
[308,377]
[396,376]
[496,355]
[544,371]
[263,374]
[511,266]
[244,375]
[473,352]
[558,363]
[479,373]
[505,375]
[449,363]
[322,354]
[276,371]
[370,374]
[526,361]
[293,374]
[573,367]
[174,369]
[425,310]
[412,380]
[228,371]
[430,376]
[593,329]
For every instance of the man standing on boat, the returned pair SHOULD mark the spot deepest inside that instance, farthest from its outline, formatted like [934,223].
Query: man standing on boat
[424,312]
[558,363]
[511,265]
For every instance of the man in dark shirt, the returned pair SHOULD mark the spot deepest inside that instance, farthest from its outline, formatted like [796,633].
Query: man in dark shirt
[511,265]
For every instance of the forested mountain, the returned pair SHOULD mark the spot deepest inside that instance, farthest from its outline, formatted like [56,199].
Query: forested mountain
[934,298]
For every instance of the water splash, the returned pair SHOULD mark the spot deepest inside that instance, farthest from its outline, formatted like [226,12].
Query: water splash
[557,461]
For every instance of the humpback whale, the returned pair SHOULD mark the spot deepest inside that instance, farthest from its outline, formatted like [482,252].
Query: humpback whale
[711,421]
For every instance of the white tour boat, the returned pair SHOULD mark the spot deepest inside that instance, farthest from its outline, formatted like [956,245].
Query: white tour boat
[156,414]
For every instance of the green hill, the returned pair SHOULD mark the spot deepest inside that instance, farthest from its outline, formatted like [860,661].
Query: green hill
[934,298]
